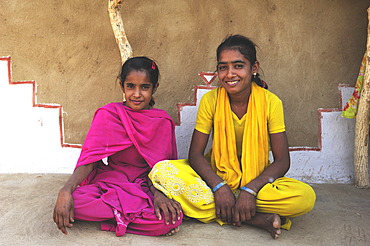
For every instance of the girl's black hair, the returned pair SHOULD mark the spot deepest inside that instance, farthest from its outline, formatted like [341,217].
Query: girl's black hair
[246,47]
[140,63]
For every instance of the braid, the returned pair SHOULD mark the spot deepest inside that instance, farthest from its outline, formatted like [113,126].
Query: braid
[256,78]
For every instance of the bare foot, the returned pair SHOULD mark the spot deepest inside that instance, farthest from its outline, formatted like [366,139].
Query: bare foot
[268,222]
[173,231]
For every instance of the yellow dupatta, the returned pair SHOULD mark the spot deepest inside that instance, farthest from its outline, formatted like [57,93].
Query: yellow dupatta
[255,146]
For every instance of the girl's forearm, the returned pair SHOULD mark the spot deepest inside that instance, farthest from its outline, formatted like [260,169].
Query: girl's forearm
[202,167]
[77,177]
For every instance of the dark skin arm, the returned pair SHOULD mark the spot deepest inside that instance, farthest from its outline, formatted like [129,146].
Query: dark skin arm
[170,208]
[245,207]
[224,198]
[64,211]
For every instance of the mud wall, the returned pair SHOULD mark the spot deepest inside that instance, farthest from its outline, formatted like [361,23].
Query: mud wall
[306,49]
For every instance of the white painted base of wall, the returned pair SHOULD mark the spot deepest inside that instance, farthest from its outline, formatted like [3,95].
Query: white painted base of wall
[31,136]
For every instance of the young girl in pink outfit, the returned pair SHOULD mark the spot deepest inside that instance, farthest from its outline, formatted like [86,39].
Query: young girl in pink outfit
[133,136]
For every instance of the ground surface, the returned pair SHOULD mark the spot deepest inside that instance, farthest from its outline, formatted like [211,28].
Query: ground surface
[341,217]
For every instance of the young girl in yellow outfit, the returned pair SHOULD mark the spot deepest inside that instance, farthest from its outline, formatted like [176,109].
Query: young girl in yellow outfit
[235,182]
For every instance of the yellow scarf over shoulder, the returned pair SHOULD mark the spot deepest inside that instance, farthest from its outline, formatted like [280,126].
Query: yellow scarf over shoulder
[255,145]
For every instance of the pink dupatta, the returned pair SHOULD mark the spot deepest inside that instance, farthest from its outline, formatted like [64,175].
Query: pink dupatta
[150,131]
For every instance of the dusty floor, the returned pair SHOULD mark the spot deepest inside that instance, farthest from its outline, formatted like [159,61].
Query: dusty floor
[341,217]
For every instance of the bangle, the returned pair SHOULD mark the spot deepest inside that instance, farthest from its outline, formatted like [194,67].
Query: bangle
[218,186]
[250,191]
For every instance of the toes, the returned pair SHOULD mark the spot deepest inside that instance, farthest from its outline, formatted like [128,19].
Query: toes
[275,234]
[172,231]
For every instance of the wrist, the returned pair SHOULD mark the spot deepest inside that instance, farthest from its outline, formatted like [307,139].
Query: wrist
[249,190]
[152,188]
[66,189]
[218,186]
[157,193]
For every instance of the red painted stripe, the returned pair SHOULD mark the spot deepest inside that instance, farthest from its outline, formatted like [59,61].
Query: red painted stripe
[181,105]
[34,104]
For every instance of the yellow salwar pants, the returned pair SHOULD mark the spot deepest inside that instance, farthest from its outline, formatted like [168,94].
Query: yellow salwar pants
[286,197]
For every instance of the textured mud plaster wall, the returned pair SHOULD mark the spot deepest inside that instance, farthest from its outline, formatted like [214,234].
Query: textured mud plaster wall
[68,48]
[306,49]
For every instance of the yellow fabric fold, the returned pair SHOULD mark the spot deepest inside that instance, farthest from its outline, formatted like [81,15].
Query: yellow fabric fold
[254,158]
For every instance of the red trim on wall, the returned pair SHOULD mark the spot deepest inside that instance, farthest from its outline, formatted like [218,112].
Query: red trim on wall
[41,105]
[319,111]
[181,105]
[203,75]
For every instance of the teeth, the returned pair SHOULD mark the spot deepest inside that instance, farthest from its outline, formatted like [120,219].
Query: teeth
[232,82]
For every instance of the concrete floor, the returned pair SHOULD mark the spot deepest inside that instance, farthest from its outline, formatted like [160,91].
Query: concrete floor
[341,217]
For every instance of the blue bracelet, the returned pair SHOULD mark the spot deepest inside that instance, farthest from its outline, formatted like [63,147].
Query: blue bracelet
[218,186]
[250,191]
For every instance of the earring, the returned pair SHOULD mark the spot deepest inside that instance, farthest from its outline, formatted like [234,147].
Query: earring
[254,75]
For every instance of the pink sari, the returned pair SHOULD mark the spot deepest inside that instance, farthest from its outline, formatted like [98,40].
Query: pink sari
[118,193]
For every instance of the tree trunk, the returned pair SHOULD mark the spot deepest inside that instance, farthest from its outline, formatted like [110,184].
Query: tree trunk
[114,7]
[361,153]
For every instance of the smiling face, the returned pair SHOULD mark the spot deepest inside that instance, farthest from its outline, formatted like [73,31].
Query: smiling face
[235,71]
[138,90]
